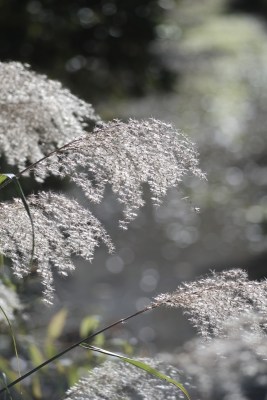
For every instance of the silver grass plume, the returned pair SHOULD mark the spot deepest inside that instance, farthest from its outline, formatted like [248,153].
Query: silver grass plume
[117,380]
[62,228]
[37,115]
[125,156]
[233,367]
[218,298]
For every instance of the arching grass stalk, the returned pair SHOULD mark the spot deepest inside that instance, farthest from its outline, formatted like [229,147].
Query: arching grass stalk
[13,340]
[73,346]
[10,177]
[4,379]
[13,178]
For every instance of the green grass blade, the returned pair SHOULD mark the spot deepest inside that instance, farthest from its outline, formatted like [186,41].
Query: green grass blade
[143,366]
[13,338]
[3,378]
[27,208]
[3,178]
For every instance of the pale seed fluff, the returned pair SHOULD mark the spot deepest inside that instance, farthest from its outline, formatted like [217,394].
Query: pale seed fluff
[233,367]
[37,115]
[126,155]
[62,228]
[116,380]
[220,297]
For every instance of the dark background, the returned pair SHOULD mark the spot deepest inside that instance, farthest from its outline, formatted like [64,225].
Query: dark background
[97,48]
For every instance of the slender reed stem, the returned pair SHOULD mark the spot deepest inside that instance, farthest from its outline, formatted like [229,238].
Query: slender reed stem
[18,175]
[90,337]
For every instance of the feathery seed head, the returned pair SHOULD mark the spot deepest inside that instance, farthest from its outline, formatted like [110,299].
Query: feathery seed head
[62,228]
[126,155]
[233,367]
[220,297]
[118,380]
[37,115]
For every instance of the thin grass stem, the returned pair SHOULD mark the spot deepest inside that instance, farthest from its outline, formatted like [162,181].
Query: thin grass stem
[73,346]
[18,175]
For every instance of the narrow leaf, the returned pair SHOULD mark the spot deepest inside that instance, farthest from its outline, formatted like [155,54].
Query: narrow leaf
[88,324]
[36,356]
[13,338]
[3,378]
[36,388]
[3,178]
[56,324]
[141,365]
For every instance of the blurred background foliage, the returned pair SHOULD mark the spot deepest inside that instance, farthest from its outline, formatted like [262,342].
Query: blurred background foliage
[257,7]
[198,64]
[97,48]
